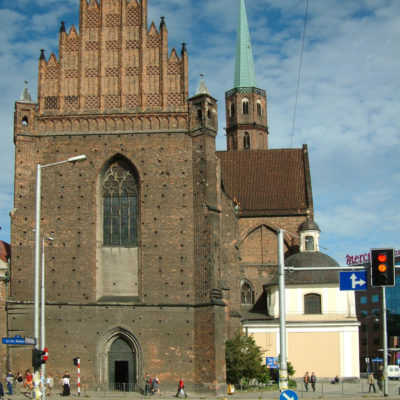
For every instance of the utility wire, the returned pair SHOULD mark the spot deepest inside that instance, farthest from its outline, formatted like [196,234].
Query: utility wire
[298,79]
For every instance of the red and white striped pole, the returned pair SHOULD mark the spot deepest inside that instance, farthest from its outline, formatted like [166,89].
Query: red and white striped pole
[79,377]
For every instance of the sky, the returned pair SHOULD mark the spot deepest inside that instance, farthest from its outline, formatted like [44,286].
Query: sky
[348,103]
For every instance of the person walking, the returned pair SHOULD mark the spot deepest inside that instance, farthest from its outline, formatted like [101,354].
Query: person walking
[20,380]
[147,383]
[371,382]
[313,380]
[181,391]
[49,384]
[10,381]
[66,384]
[306,381]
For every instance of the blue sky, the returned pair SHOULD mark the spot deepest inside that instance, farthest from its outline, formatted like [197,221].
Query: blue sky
[348,108]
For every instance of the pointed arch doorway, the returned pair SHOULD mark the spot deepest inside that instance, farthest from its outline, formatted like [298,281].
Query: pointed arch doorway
[120,360]
[122,366]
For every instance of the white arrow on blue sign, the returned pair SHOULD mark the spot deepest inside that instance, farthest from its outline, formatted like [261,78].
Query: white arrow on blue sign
[353,280]
[288,395]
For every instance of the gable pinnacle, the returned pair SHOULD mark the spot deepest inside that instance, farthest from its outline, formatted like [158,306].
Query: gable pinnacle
[244,66]
[202,88]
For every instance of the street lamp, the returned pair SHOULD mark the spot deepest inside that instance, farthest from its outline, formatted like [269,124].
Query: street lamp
[42,319]
[37,240]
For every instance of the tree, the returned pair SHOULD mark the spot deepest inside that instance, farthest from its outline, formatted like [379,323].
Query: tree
[244,360]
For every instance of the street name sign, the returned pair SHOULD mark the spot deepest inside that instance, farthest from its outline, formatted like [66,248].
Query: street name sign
[288,395]
[17,339]
[353,280]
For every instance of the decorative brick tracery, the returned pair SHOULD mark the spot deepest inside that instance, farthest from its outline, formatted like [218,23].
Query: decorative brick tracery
[92,19]
[132,44]
[72,45]
[51,102]
[51,73]
[111,72]
[112,45]
[71,103]
[112,101]
[92,46]
[112,20]
[71,73]
[132,16]
[92,102]
[153,70]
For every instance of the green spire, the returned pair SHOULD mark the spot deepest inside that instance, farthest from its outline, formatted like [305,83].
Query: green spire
[244,67]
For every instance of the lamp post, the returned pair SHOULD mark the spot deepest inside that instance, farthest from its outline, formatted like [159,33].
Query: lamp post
[36,280]
[42,319]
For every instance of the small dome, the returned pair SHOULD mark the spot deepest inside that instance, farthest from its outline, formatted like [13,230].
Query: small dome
[309,225]
[311,259]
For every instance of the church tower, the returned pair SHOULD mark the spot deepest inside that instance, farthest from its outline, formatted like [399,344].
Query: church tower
[246,104]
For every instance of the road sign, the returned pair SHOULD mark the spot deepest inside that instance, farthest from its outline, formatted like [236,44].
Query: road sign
[272,362]
[353,280]
[377,359]
[288,395]
[17,339]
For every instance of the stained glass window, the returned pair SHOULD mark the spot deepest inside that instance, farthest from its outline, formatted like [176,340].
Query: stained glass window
[120,206]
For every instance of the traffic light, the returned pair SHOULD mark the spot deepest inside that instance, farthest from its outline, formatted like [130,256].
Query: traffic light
[382,267]
[76,361]
[37,358]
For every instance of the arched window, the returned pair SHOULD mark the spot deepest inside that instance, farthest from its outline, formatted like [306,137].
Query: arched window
[247,293]
[259,109]
[309,243]
[232,110]
[120,206]
[246,141]
[245,105]
[312,303]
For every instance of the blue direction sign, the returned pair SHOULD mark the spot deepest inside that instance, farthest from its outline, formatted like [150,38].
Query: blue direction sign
[288,395]
[353,280]
[272,362]
[17,339]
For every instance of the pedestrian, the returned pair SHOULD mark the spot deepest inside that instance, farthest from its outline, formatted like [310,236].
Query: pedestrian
[313,380]
[181,387]
[28,379]
[379,378]
[10,381]
[156,386]
[371,382]
[1,390]
[66,384]
[147,383]
[20,380]
[306,381]
[49,383]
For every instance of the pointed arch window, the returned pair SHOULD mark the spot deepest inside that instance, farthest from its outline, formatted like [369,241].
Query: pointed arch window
[312,303]
[246,141]
[232,110]
[120,206]
[259,108]
[247,293]
[245,105]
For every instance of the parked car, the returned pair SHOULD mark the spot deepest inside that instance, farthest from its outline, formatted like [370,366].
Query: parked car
[393,372]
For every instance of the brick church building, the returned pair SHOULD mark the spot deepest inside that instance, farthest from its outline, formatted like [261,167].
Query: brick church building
[159,239]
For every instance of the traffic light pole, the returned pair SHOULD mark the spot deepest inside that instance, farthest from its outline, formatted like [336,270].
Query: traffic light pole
[385,344]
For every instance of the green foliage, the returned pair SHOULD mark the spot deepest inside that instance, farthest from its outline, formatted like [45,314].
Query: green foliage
[244,360]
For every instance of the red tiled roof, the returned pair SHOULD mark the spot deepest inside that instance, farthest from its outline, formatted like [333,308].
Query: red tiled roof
[5,251]
[268,182]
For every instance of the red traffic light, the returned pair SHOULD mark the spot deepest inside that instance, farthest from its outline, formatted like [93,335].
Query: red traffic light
[382,257]
[45,356]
